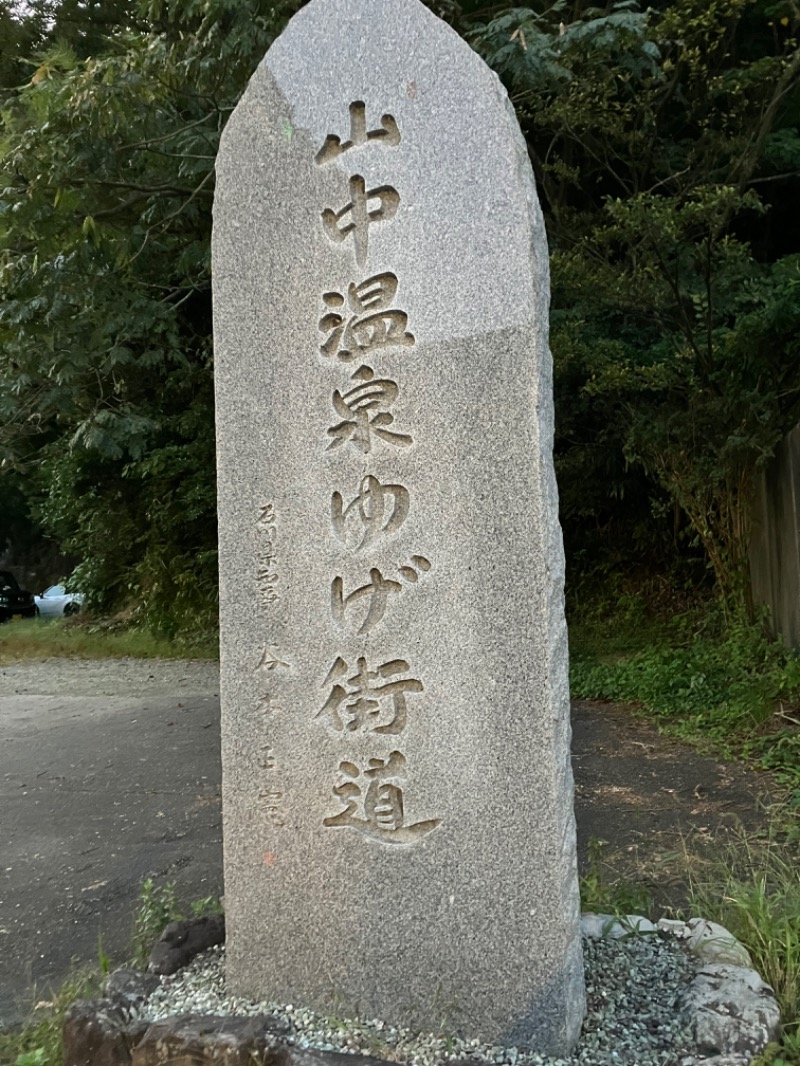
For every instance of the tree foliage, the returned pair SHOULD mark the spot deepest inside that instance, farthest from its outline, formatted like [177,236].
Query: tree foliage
[667,151]
[106,184]
[666,144]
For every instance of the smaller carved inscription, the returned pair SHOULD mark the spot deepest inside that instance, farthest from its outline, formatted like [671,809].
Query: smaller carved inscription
[388,134]
[364,410]
[355,218]
[378,509]
[369,701]
[267,555]
[268,761]
[271,801]
[377,811]
[267,703]
[372,321]
[374,595]
[269,660]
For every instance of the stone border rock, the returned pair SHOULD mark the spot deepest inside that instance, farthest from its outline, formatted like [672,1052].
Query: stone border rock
[184,940]
[732,1012]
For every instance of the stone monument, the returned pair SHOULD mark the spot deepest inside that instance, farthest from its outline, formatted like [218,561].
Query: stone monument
[398,821]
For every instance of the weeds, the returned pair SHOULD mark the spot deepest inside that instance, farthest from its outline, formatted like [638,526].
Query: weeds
[753,889]
[38,1041]
[158,906]
[601,895]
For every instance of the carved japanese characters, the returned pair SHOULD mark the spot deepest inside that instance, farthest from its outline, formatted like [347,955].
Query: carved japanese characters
[398,834]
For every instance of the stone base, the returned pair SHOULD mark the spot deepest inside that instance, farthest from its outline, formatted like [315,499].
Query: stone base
[96,1034]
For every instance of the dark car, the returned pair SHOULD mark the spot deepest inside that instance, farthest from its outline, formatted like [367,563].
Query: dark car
[14,601]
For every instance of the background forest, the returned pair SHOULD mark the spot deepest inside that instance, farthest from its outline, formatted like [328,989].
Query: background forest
[666,146]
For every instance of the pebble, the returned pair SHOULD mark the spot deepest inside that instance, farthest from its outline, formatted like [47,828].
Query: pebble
[635,990]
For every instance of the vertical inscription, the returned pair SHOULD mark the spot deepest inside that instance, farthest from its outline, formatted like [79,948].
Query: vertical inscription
[271,793]
[364,321]
[267,556]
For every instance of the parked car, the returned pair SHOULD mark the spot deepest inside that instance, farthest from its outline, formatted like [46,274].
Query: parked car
[15,603]
[56,602]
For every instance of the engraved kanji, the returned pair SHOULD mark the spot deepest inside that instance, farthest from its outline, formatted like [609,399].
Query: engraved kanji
[266,516]
[377,509]
[266,703]
[364,410]
[271,802]
[372,323]
[268,760]
[378,810]
[375,593]
[269,660]
[357,215]
[370,701]
[388,134]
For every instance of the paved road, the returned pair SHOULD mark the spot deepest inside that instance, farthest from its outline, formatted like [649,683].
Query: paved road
[97,793]
[118,780]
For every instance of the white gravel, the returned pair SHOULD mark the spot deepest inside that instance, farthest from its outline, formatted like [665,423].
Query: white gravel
[635,989]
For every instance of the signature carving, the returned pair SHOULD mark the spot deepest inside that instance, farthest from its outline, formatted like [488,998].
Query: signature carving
[271,801]
[267,555]
[269,660]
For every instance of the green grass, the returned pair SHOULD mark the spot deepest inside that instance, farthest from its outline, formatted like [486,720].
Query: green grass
[87,639]
[734,692]
[726,688]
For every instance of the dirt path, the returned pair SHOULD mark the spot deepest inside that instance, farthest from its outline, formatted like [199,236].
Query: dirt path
[109,773]
[654,801]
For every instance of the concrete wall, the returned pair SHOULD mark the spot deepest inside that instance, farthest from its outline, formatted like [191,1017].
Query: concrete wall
[775,541]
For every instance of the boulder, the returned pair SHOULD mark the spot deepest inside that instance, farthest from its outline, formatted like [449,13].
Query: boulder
[207,1040]
[614,927]
[182,941]
[128,988]
[731,1011]
[96,1033]
[713,943]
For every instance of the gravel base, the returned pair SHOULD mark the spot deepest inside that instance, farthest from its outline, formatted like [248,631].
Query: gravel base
[635,990]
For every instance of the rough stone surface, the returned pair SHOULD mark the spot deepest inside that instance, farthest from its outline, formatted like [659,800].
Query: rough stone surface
[713,943]
[96,1033]
[732,1011]
[399,832]
[596,926]
[128,988]
[182,941]
[205,1040]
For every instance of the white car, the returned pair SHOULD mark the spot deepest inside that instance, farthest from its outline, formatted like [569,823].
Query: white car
[56,602]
